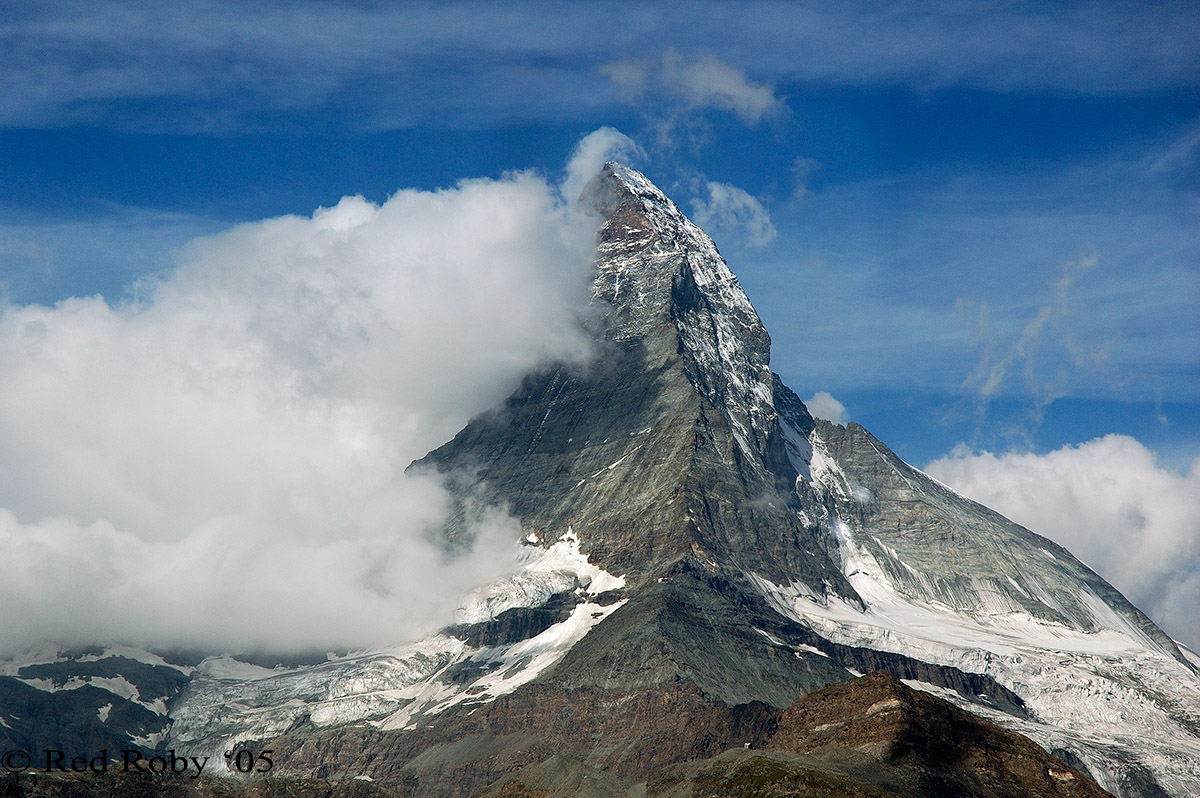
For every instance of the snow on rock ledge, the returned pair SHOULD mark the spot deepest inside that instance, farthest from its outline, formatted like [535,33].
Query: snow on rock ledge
[397,687]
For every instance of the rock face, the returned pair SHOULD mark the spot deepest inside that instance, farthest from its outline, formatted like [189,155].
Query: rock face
[88,700]
[668,446]
[700,553]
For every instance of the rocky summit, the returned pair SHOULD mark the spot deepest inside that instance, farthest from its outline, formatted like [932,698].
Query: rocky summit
[708,574]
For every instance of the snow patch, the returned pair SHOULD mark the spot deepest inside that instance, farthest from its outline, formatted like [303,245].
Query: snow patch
[48,686]
[117,685]
[526,660]
[402,686]
[825,473]
[151,740]
[561,567]
[226,667]
[1189,655]
[799,449]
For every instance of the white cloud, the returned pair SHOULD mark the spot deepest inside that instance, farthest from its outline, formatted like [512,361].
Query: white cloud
[591,153]
[729,208]
[216,65]
[222,462]
[707,82]
[822,405]
[694,84]
[1108,501]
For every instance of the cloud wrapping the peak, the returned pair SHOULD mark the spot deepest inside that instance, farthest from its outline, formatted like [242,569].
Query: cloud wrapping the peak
[221,463]
[591,153]
[1112,505]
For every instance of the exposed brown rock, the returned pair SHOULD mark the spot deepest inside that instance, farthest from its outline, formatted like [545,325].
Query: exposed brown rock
[872,736]
[916,741]
[626,734]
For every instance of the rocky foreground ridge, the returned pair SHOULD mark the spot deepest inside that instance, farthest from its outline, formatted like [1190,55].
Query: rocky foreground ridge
[871,737]
[707,571]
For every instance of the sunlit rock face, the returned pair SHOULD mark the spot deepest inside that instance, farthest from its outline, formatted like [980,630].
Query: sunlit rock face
[698,554]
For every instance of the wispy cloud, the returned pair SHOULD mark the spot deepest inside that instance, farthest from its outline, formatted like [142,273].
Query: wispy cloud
[994,288]
[727,208]
[685,85]
[1056,353]
[592,152]
[802,170]
[992,371]
[216,65]
[1177,155]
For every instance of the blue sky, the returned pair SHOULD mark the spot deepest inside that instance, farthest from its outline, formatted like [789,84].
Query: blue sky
[976,225]
[918,165]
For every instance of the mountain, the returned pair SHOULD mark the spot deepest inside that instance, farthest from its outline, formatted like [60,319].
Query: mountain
[707,571]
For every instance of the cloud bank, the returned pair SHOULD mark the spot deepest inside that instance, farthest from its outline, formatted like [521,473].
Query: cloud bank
[1108,501]
[221,462]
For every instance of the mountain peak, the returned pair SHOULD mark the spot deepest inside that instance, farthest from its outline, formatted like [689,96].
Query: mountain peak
[665,279]
[635,182]
[637,215]
[683,463]
[701,553]
[669,444]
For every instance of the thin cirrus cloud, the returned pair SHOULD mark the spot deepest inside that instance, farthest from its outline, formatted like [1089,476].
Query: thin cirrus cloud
[222,462]
[214,65]
[1045,378]
[1111,504]
[1003,282]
